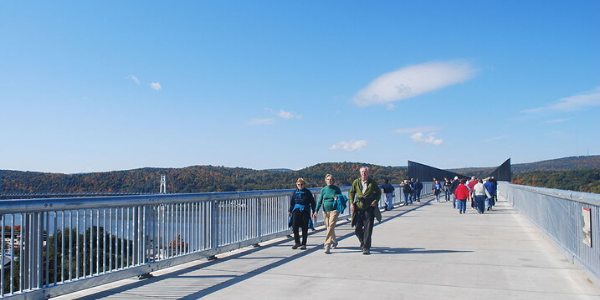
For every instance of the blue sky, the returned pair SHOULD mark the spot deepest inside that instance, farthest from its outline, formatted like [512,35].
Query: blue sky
[90,86]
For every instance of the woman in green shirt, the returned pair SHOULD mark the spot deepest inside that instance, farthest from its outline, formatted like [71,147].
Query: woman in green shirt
[326,198]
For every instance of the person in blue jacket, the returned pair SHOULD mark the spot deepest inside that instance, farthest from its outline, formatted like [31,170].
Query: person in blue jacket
[302,203]
[490,192]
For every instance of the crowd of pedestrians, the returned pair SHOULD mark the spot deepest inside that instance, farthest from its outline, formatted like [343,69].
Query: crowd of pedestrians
[363,201]
[481,193]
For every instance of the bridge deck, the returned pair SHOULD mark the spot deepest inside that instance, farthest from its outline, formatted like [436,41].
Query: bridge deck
[426,251]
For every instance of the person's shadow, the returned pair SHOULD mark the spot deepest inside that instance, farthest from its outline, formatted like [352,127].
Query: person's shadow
[390,250]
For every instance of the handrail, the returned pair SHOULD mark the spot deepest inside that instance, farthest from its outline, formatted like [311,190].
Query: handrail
[560,214]
[54,246]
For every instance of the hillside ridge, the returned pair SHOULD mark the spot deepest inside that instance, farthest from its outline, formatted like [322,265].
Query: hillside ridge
[195,179]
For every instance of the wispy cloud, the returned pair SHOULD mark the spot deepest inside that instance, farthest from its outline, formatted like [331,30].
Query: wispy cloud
[349,146]
[155,86]
[412,81]
[573,103]
[134,79]
[416,129]
[284,114]
[555,121]
[268,121]
[261,121]
[501,137]
[558,135]
[421,138]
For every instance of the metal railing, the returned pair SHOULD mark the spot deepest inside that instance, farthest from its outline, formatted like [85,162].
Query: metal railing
[60,245]
[560,214]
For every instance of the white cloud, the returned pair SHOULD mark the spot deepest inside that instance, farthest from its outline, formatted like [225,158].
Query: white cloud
[284,114]
[134,79]
[573,103]
[419,137]
[155,86]
[349,146]
[416,129]
[413,81]
[261,121]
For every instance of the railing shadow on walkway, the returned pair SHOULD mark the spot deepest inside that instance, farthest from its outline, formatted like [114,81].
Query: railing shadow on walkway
[230,280]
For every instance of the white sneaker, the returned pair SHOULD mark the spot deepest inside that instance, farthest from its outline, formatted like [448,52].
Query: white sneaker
[327,249]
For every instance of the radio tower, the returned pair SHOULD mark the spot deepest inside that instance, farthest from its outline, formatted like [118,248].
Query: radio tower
[163,184]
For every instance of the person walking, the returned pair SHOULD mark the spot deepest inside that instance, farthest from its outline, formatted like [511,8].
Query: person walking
[437,190]
[471,185]
[453,187]
[412,190]
[363,197]
[301,204]
[490,192]
[388,190]
[327,197]
[495,195]
[447,184]
[462,194]
[407,191]
[418,189]
[479,195]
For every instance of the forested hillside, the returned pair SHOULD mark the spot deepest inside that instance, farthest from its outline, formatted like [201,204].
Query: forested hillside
[562,164]
[577,173]
[578,180]
[186,180]
[571,173]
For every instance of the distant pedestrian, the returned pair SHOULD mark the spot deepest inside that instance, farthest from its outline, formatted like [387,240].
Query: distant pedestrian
[412,190]
[447,192]
[437,189]
[462,194]
[471,185]
[453,187]
[479,196]
[495,194]
[407,191]
[363,197]
[301,204]
[418,188]
[490,192]
[388,190]
[327,197]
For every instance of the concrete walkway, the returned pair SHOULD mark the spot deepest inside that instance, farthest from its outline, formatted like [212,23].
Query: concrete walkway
[426,251]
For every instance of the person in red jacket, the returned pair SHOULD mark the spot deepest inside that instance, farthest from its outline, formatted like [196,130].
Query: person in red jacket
[462,193]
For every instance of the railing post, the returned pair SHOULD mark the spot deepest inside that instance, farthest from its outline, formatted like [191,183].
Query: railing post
[32,245]
[259,217]
[214,228]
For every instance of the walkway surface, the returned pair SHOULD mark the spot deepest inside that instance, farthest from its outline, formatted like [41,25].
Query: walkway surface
[422,251]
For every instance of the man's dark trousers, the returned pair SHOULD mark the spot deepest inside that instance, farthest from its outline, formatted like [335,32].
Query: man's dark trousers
[364,226]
